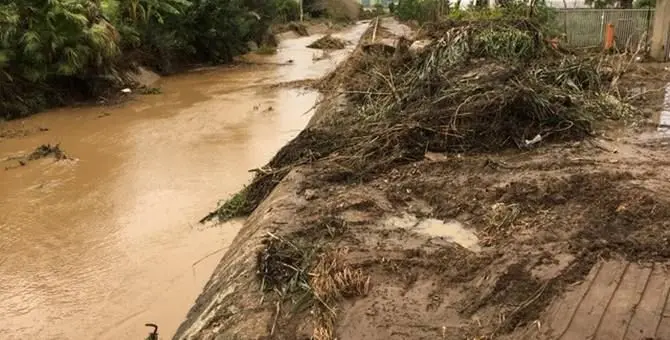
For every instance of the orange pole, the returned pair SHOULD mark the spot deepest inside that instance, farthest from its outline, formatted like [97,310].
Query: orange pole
[609,36]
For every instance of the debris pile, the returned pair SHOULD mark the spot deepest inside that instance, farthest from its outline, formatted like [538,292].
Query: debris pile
[42,151]
[479,86]
[328,42]
[46,150]
[298,28]
[364,218]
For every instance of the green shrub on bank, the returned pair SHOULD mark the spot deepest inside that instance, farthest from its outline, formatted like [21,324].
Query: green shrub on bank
[48,45]
[57,51]
[427,10]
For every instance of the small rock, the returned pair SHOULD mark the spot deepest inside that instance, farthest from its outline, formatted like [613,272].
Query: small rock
[310,194]
[435,157]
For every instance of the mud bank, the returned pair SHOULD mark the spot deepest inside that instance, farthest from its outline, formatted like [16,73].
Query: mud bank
[565,241]
[98,243]
[231,304]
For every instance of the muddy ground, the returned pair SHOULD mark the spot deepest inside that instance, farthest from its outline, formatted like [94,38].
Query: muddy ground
[461,246]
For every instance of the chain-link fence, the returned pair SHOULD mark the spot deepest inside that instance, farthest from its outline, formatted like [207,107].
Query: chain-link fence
[587,27]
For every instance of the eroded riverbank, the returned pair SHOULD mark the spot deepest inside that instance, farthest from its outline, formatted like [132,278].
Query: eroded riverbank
[99,244]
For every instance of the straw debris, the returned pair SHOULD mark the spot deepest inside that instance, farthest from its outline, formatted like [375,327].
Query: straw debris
[298,28]
[303,270]
[328,42]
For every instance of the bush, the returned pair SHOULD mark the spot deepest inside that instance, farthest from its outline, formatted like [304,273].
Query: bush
[47,45]
[419,10]
[56,51]
[285,10]
[427,10]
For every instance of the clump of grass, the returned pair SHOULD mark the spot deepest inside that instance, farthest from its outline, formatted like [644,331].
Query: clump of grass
[235,206]
[151,90]
[328,42]
[506,43]
[267,50]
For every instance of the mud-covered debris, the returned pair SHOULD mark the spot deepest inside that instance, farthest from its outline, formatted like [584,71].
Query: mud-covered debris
[420,45]
[310,275]
[283,265]
[298,28]
[46,150]
[479,86]
[380,48]
[328,42]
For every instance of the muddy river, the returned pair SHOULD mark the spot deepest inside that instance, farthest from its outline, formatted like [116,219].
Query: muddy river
[98,245]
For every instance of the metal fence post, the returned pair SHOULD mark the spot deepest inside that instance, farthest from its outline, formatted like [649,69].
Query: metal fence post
[602,28]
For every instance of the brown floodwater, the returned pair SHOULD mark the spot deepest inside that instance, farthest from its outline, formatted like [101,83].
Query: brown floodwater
[97,245]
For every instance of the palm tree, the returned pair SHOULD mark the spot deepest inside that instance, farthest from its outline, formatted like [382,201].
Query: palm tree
[55,38]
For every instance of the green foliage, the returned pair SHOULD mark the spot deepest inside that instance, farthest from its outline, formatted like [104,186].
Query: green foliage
[644,4]
[419,10]
[609,3]
[267,50]
[53,50]
[233,207]
[285,10]
[46,42]
[505,43]
[542,13]
[55,38]
[427,10]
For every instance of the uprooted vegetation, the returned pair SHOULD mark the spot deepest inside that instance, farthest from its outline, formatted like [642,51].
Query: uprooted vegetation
[308,275]
[42,151]
[481,85]
[328,42]
[451,133]
[46,150]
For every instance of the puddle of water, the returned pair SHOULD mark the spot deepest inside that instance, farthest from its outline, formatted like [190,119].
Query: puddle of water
[452,230]
[97,247]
